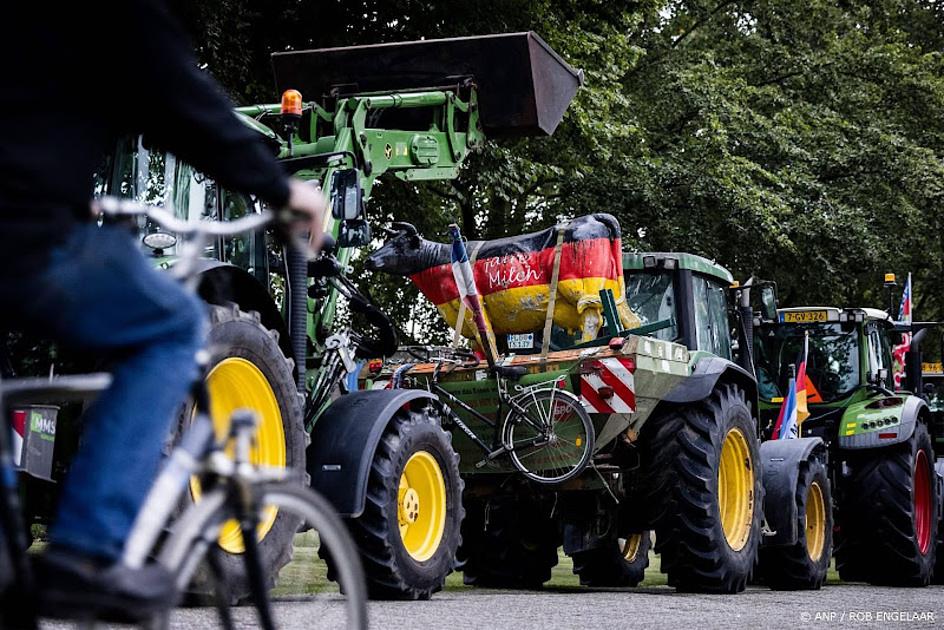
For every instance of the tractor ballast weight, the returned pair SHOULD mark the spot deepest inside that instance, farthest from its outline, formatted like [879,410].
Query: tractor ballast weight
[524,87]
[781,462]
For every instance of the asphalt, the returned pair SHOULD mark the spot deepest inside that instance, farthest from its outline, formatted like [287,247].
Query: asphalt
[836,606]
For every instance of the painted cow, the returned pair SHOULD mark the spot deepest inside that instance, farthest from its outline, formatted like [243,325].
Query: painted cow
[513,275]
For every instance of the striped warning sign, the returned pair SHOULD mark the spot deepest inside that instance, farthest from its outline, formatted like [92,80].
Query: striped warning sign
[19,432]
[607,386]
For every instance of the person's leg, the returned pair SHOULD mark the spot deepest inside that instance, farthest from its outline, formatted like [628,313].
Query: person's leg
[110,300]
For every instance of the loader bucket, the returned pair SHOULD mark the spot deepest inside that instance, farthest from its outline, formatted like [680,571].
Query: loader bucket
[524,87]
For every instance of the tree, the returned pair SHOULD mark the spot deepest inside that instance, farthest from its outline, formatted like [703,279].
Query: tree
[801,140]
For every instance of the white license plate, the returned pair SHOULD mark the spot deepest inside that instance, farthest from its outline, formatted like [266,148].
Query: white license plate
[523,341]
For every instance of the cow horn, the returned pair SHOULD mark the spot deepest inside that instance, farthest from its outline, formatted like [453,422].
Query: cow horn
[403,226]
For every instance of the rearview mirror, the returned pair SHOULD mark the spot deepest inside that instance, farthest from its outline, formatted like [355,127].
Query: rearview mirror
[877,377]
[346,203]
[354,233]
[768,300]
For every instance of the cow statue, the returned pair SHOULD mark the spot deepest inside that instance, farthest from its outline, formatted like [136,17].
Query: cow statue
[513,275]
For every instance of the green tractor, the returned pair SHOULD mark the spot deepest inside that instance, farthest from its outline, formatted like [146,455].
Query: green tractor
[673,405]
[882,444]
[412,111]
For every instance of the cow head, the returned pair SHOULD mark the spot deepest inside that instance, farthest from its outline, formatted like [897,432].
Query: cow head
[402,254]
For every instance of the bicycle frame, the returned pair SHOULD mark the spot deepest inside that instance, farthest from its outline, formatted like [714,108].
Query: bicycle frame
[198,452]
[504,399]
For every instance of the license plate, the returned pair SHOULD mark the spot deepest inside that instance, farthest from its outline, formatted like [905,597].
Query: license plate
[803,317]
[521,342]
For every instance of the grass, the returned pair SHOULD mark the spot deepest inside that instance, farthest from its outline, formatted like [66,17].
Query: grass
[307,574]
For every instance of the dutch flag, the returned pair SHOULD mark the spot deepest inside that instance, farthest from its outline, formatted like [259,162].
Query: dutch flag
[793,411]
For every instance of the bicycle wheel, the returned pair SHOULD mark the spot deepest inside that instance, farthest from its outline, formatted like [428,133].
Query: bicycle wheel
[550,438]
[193,534]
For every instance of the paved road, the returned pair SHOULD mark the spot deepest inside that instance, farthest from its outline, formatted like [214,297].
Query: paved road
[843,606]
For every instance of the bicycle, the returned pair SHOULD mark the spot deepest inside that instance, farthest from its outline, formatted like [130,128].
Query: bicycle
[232,488]
[545,432]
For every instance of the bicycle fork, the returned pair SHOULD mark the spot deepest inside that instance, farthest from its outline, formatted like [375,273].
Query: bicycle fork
[247,514]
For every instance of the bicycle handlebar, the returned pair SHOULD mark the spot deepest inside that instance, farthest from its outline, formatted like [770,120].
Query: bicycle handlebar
[115,207]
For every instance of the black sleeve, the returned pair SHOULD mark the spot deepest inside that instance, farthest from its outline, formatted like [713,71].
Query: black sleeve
[183,110]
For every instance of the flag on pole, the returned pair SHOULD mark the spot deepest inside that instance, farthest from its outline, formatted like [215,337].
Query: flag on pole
[794,411]
[468,293]
[787,427]
[904,311]
[899,351]
[801,382]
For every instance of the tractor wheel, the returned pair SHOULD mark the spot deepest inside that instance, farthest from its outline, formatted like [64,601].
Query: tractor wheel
[803,565]
[621,562]
[247,370]
[890,514]
[706,492]
[508,544]
[410,529]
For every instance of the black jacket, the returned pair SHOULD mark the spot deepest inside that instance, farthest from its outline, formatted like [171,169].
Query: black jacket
[75,77]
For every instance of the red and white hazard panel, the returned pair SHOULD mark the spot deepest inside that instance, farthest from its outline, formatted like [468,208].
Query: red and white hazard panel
[19,433]
[607,385]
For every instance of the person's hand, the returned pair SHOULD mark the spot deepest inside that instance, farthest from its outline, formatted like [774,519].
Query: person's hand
[308,200]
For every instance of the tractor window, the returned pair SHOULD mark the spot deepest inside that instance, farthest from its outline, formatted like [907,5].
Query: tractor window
[246,251]
[651,296]
[158,178]
[832,365]
[711,317]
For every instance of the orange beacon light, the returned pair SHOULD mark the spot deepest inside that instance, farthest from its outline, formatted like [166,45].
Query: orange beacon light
[291,103]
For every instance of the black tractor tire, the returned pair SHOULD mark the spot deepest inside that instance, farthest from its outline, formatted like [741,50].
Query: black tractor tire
[508,542]
[793,567]
[237,334]
[619,562]
[681,457]
[878,541]
[391,571]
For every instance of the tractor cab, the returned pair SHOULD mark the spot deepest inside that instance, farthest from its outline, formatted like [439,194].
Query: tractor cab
[848,363]
[681,298]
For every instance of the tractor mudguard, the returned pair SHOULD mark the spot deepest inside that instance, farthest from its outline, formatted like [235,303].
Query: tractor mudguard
[902,424]
[708,371]
[344,440]
[222,282]
[781,466]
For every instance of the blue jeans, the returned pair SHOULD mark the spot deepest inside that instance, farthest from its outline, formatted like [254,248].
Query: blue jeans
[98,293]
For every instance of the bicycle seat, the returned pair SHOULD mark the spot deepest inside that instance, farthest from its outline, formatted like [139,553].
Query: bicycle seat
[511,372]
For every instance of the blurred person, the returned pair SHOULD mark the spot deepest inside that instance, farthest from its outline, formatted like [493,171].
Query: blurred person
[75,78]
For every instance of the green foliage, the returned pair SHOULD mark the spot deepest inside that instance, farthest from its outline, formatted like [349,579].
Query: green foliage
[801,140]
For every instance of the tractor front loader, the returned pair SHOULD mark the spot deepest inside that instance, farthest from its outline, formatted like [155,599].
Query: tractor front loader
[348,117]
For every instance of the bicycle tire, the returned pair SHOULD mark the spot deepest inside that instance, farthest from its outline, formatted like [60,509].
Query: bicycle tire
[193,534]
[564,455]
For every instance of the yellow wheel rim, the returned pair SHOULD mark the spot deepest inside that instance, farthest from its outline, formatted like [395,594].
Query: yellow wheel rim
[736,489]
[421,506]
[235,383]
[815,522]
[629,547]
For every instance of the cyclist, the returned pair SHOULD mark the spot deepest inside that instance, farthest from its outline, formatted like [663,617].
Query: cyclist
[74,77]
